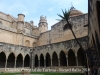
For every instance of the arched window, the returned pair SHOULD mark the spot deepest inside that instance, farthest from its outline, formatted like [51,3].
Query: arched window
[27,43]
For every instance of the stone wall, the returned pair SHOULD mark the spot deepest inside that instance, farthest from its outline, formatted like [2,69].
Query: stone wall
[57,34]
[61,46]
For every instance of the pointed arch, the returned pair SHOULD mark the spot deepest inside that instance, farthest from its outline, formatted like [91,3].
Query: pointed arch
[2,59]
[71,58]
[41,60]
[27,61]
[11,60]
[19,61]
[48,60]
[63,61]
[36,60]
[54,59]
[80,57]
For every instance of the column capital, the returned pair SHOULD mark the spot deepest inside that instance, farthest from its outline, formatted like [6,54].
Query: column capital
[66,56]
[75,55]
[15,58]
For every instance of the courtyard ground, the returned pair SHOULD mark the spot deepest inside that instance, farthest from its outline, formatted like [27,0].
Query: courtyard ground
[43,73]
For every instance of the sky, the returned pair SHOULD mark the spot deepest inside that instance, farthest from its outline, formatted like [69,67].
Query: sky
[33,9]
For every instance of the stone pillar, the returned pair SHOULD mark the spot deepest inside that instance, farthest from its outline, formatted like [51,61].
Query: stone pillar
[67,61]
[59,62]
[38,63]
[76,61]
[15,63]
[44,62]
[6,63]
[23,63]
[32,61]
[51,62]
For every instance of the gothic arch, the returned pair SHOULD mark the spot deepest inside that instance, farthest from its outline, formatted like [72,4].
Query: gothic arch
[4,53]
[10,53]
[80,57]
[11,60]
[21,54]
[27,61]
[63,61]
[48,59]
[2,59]
[36,60]
[41,60]
[19,60]
[54,59]
[71,58]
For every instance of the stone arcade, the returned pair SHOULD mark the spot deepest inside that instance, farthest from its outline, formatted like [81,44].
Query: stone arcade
[24,45]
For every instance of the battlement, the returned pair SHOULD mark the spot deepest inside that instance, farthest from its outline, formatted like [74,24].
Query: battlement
[43,19]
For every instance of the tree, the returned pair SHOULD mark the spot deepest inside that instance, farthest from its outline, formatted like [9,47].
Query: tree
[66,16]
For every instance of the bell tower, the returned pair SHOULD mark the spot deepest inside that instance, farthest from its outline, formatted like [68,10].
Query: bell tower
[43,25]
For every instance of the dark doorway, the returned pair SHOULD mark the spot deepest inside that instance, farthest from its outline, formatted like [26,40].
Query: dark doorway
[48,60]
[81,59]
[41,60]
[36,61]
[71,58]
[2,59]
[19,61]
[11,61]
[54,59]
[27,61]
[63,61]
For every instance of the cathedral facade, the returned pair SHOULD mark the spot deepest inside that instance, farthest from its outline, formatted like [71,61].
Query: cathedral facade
[24,45]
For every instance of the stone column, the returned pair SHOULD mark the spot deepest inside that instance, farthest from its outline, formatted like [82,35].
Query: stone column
[76,61]
[15,63]
[44,62]
[59,62]
[32,62]
[38,63]
[67,61]
[6,63]
[51,62]
[23,63]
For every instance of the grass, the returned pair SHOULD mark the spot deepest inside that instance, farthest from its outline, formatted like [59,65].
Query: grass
[44,73]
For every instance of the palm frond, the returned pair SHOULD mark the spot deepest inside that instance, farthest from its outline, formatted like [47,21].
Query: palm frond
[61,16]
[60,19]
[67,14]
